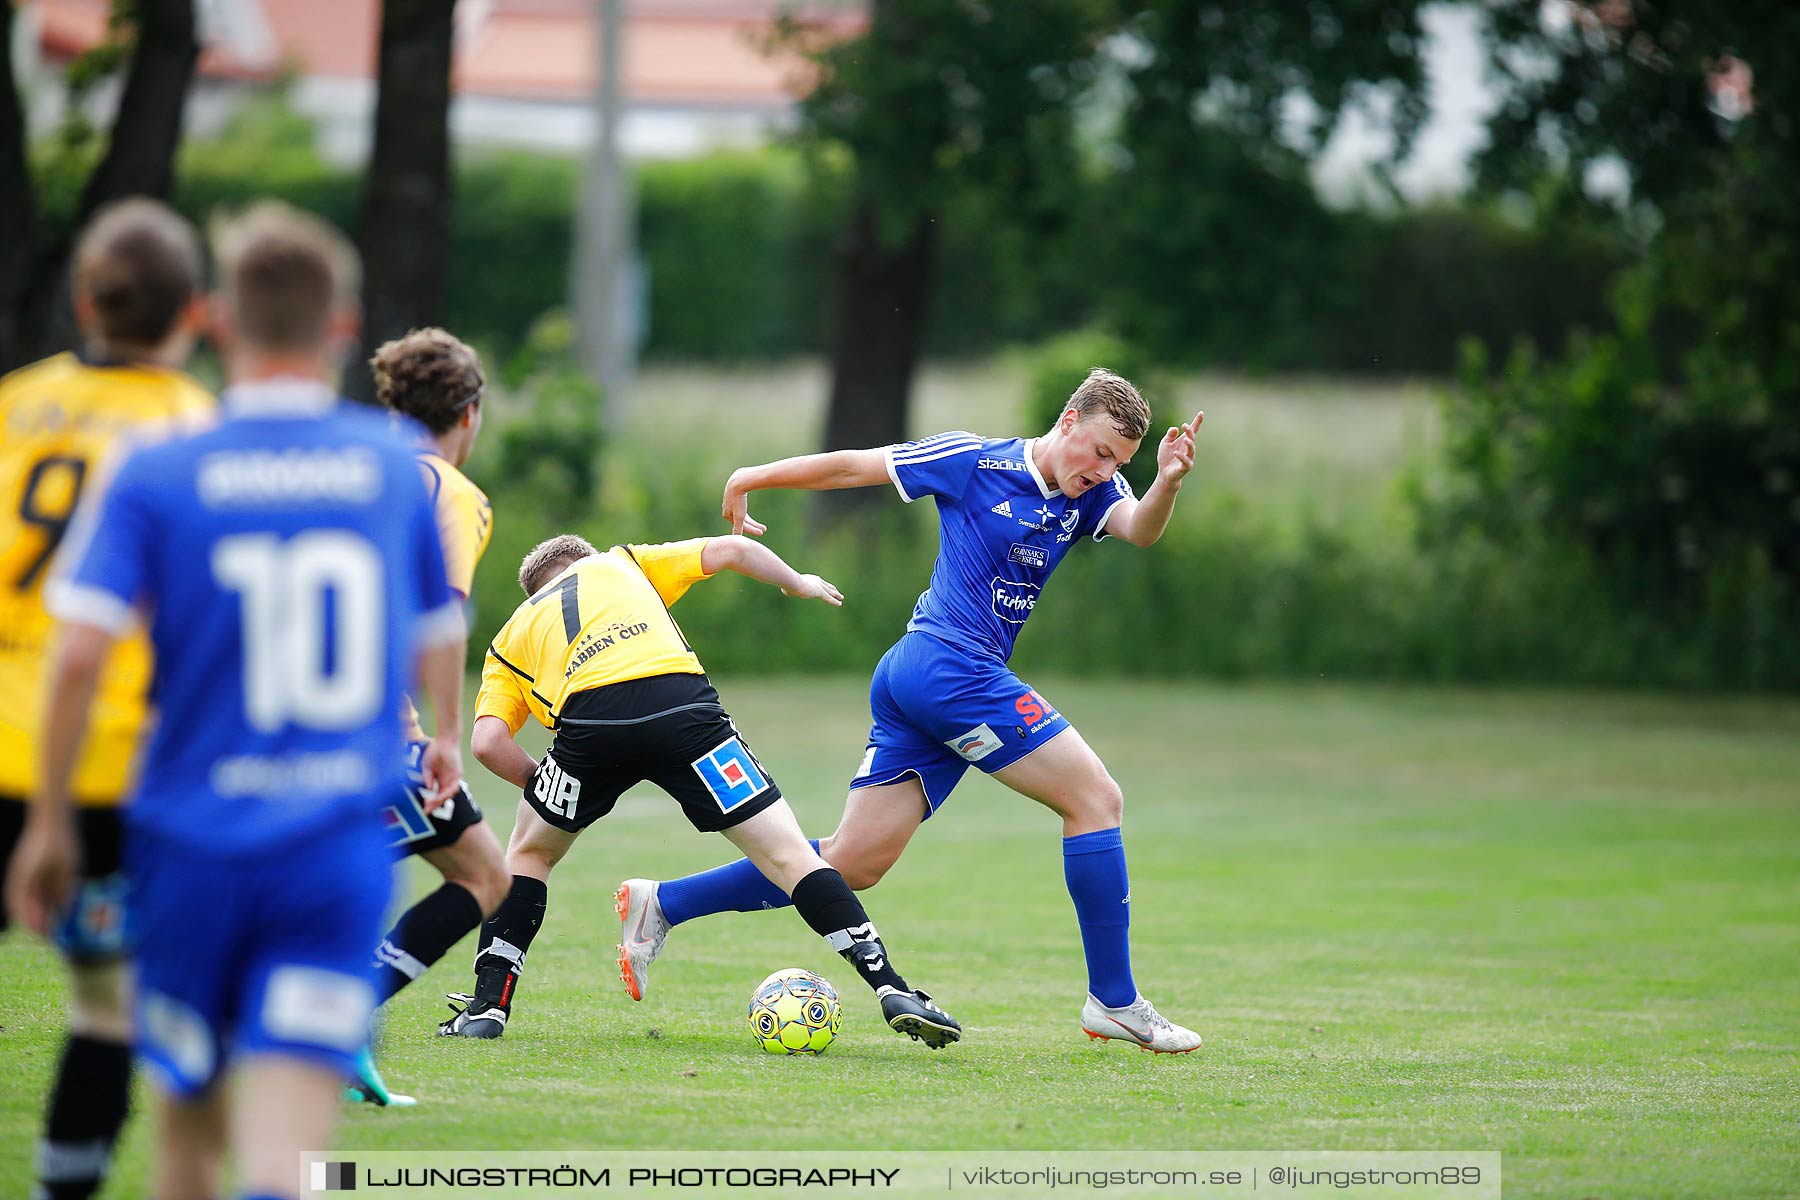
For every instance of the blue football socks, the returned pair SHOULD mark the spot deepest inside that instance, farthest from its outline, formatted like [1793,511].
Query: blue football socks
[734,887]
[1094,867]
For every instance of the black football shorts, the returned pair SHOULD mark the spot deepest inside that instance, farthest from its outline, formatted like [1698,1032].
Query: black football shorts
[669,730]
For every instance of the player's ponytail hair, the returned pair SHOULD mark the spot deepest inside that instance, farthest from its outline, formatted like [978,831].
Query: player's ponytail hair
[429,375]
[548,558]
[1103,391]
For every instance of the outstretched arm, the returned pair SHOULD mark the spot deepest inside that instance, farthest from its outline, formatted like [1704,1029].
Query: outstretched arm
[807,473]
[762,564]
[1141,522]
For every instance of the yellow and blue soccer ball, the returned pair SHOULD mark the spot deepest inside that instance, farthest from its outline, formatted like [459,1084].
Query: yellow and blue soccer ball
[795,1012]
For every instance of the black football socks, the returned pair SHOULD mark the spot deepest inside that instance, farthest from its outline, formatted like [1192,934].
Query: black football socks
[423,934]
[87,1108]
[505,937]
[835,914]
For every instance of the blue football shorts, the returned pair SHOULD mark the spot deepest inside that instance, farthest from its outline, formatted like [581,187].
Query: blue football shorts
[262,953]
[939,711]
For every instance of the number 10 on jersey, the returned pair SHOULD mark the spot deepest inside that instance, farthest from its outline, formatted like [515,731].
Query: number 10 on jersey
[312,608]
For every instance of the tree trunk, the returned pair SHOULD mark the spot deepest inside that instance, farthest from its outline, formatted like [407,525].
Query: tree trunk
[405,231]
[16,215]
[139,161]
[882,295]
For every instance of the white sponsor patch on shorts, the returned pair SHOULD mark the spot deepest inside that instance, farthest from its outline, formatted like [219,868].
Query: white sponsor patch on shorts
[868,763]
[976,744]
[181,1036]
[317,1007]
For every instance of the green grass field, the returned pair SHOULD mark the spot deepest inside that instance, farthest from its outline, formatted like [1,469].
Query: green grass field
[1561,926]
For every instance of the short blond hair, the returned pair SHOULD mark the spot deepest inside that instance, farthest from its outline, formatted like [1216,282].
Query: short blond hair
[138,265]
[282,272]
[1104,392]
[549,557]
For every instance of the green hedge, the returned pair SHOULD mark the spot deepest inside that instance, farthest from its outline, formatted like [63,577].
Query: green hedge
[1249,272]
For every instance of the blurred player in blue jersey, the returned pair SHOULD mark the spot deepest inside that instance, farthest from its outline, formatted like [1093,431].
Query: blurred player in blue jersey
[288,567]
[943,696]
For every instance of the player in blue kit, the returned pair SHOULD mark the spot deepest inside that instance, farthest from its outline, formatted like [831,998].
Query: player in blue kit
[943,696]
[287,565]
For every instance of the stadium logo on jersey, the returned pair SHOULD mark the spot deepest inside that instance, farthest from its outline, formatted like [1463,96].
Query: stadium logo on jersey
[1013,602]
[1035,557]
[1004,508]
[732,774]
[976,744]
[999,464]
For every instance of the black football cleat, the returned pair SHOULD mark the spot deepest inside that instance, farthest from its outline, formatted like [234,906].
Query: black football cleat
[913,1014]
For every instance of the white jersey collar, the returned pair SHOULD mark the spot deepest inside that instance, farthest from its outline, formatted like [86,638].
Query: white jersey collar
[283,396]
[1044,489]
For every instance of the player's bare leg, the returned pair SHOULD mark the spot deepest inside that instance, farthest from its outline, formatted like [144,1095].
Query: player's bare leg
[773,844]
[533,851]
[476,862]
[1067,777]
[192,1151]
[90,1094]
[281,1108]
[877,825]
[475,883]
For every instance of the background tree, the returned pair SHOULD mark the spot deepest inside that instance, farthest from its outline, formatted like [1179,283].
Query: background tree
[1669,447]
[407,201]
[157,41]
[935,97]
[1218,235]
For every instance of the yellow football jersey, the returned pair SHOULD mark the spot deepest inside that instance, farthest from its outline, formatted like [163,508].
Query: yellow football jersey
[58,420]
[465,521]
[604,620]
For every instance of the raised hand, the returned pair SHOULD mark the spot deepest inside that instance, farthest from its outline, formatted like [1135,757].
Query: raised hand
[1175,453]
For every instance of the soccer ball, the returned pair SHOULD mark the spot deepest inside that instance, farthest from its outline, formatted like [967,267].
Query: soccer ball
[795,1012]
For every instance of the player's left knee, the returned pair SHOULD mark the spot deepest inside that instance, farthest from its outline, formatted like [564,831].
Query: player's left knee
[489,884]
[1109,804]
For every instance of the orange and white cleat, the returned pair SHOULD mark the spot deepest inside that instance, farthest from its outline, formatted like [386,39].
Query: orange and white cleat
[1138,1023]
[644,929]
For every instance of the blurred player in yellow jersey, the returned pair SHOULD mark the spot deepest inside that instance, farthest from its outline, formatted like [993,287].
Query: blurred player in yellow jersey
[137,302]
[595,655]
[437,381]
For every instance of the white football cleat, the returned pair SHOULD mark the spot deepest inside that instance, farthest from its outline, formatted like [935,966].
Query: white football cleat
[644,929]
[1138,1023]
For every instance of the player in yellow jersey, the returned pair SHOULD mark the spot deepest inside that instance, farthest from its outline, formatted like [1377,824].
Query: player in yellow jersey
[136,298]
[595,655]
[435,379]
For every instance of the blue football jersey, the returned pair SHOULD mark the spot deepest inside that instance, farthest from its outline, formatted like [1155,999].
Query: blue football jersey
[1001,531]
[288,564]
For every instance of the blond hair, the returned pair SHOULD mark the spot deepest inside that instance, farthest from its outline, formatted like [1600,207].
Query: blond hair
[138,265]
[549,557]
[1104,392]
[282,272]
